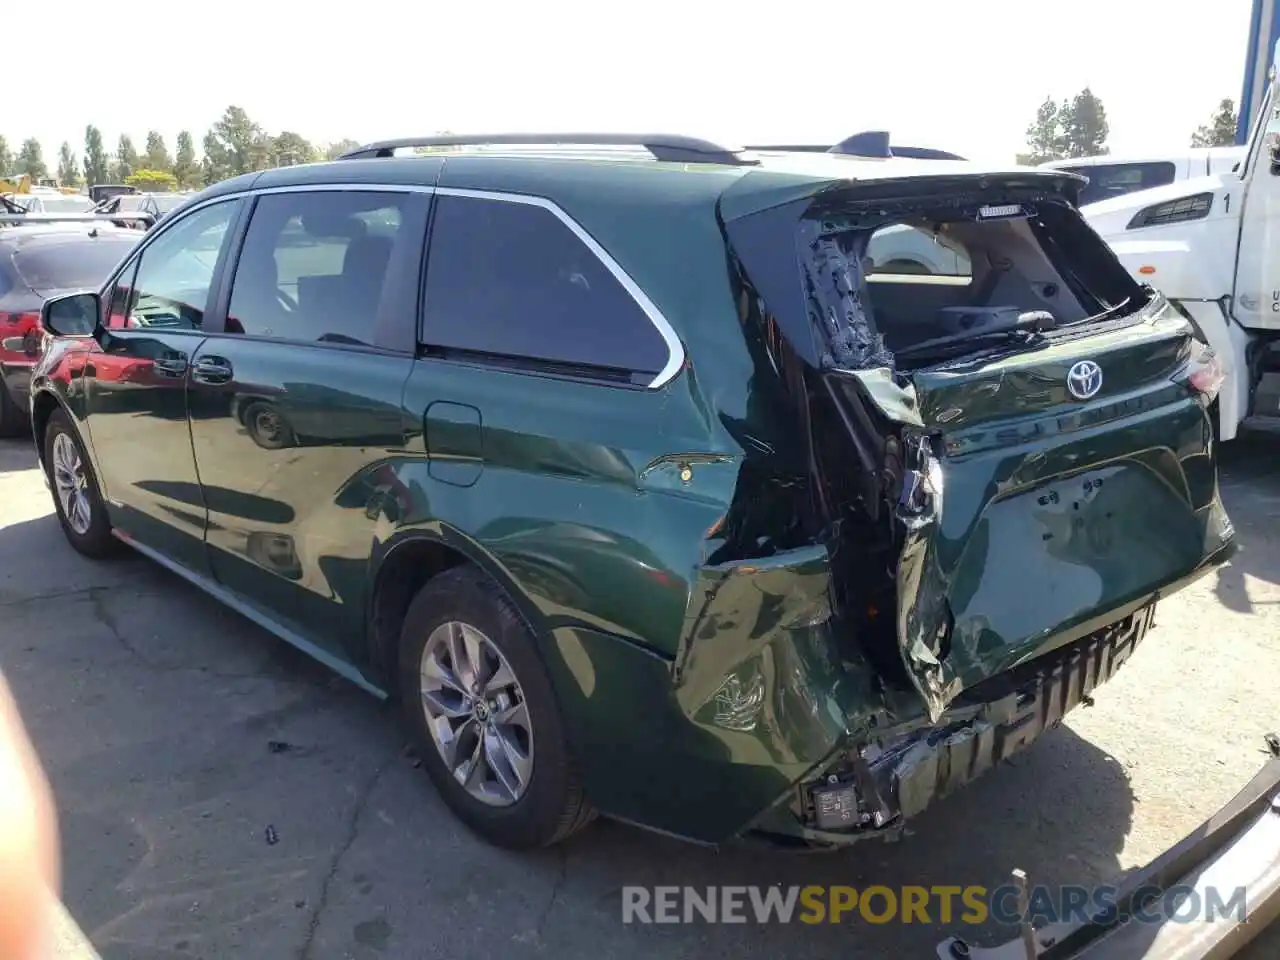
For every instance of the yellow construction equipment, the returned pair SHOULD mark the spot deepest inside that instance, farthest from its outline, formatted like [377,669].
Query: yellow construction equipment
[16,183]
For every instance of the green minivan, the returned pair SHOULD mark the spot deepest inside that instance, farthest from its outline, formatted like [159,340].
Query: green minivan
[620,464]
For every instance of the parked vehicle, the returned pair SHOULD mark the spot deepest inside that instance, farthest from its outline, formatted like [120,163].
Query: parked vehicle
[39,260]
[105,191]
[53,203]
[1114,176]
[642,496]
[155,204]
[1212,246]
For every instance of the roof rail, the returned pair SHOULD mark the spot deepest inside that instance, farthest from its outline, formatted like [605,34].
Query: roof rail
[663,146]
[869,143]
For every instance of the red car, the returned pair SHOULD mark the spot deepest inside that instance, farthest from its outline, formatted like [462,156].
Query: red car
[37,261]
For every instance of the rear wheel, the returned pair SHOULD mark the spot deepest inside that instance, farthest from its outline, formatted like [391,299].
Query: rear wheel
[480,707]
[76,499]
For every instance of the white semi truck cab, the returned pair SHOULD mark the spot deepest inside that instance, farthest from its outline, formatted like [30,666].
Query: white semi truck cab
[1212,245]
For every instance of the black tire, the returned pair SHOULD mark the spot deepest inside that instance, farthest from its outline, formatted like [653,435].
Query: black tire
[912,267]
[96,541]
[267,427]
[12,421]
[553,805]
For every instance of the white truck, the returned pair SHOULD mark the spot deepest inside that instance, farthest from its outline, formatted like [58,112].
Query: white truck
[1112,176]
[1212,245]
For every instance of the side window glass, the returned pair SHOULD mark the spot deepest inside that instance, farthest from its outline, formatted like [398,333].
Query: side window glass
[121,295]
[512,279]
[314,266]
[174,274]
[1107,180]
[904,250]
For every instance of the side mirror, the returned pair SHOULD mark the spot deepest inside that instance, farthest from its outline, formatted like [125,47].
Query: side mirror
[75,315]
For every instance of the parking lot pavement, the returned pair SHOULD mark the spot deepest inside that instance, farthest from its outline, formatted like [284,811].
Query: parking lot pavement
[223,796]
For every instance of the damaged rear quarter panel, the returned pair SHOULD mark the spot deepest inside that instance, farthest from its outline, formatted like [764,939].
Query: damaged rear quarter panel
[754,700]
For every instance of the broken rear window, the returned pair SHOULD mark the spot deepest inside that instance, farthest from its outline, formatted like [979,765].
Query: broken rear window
[909,284]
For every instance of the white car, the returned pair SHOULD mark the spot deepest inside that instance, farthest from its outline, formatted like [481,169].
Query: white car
[52,203]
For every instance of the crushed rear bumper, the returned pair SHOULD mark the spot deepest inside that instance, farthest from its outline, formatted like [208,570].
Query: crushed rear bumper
[1237,847]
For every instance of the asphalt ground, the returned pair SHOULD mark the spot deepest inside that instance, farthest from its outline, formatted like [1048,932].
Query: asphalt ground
[221,795]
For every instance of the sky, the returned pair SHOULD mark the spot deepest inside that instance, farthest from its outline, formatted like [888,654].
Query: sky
[963,75]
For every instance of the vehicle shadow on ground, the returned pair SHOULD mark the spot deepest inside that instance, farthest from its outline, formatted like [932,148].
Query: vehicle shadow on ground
[1250,484]
[155,710]
[17,453]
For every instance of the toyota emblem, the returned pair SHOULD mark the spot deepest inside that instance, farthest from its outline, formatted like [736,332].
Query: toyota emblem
[1084,379]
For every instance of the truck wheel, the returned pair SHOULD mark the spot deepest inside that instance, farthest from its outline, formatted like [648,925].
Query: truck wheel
[480,707]
[905,266]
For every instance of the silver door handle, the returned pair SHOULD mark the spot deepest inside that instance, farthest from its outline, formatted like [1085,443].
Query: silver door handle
[211,370]
[174,365]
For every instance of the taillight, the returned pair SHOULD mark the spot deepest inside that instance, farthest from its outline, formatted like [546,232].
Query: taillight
[1205,372]
[20,333]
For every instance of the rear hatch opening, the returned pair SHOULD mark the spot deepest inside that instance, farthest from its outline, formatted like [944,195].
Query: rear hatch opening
[1006,442]
[912,282]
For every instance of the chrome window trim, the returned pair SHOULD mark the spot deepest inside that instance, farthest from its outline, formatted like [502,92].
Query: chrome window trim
[675,349]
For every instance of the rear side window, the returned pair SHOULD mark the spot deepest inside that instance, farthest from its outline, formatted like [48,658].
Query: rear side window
[315,266]
[1107,180]
[512,279]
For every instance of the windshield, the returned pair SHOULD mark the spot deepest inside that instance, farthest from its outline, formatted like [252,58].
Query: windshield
[71,263]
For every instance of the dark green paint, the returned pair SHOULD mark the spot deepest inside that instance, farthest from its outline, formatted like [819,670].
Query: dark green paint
[697,692]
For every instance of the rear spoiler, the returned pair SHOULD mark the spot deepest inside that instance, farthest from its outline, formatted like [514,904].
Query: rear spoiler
[869,143]
[17,219]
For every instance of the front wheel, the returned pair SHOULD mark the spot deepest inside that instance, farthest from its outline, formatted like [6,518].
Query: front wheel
[76,499]
[480,707]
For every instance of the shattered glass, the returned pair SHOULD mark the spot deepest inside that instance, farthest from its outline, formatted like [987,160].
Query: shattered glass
[836,305]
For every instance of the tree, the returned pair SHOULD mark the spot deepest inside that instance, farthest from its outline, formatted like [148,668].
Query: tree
[1220,131]
[157,154]
[31,159]
[158,180]
[97,167]
[126,158]
[1083,122]
[1044,135]
[6,157]
[288,149]
[234,145]
[68,166]
[334,150]
[184,165]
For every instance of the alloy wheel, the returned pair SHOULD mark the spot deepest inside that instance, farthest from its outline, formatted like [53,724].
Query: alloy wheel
[476,714]
[72,484]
